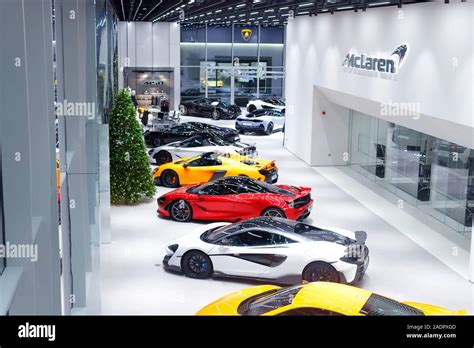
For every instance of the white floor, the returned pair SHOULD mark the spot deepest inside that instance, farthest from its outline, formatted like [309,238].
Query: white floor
[133,281]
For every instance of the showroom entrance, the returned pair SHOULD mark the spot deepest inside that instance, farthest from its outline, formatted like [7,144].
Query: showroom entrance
[235,62]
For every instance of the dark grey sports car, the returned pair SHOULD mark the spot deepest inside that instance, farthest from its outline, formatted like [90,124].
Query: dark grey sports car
[209,107]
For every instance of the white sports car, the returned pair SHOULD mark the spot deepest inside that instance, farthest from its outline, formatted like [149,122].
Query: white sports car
[196,145]
[270,249]
[261,121]
[266,104]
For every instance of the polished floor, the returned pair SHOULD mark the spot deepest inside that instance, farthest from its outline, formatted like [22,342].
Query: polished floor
[134,282]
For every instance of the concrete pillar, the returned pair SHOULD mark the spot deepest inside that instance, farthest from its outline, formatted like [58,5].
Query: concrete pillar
[29,180]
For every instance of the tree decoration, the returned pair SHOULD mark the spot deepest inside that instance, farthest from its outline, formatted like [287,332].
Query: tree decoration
[130,174]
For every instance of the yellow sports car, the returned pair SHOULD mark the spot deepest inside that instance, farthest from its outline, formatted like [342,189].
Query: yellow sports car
[319,298]
[211,166]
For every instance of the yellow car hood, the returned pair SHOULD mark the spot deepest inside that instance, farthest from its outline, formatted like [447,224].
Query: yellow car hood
[229,304]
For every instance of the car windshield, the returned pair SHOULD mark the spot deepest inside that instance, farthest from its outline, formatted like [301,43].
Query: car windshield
[214,235]
[321,235]
[269,301]
[378,305]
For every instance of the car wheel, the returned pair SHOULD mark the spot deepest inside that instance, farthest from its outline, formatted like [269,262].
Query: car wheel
[156,141]
[252,108]
[196,264]
[273,212]
[216,115]
[183,110]
[269,129]
[163,157]
[321,272]
[181,211]
[170,179]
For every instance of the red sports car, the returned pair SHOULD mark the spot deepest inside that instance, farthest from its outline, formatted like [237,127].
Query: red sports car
[235,198]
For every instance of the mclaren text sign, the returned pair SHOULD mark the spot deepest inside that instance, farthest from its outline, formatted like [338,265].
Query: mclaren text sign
[388,65]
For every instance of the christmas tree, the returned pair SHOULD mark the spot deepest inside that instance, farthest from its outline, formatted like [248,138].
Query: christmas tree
[130,173]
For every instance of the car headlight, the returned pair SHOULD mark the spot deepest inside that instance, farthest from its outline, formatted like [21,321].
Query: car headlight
[161,200]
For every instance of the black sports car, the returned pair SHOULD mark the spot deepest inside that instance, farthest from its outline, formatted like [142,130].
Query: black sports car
[155,138]
[209,107]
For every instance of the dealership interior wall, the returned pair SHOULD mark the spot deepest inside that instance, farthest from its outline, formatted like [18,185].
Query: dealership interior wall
[437,75]
[408,177]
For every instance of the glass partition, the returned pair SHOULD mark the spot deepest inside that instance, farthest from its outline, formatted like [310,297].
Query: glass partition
[209,51]
[435,175]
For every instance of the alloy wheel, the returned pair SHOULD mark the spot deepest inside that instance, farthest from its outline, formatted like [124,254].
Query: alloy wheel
[198,264]
[181,211]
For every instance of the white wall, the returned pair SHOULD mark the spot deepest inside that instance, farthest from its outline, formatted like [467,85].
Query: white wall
[437,74]
[151,45]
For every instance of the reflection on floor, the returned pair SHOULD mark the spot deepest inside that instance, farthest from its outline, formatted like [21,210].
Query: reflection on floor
[133,281]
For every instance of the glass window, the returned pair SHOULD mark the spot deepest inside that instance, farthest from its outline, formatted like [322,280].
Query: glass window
[193,46]
[434,175]
[378,305]
[206,161]
[216,234]
[191,86]
[220,190]
[252,238]
[269,301]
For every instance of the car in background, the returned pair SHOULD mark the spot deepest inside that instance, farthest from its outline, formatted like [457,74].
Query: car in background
[261,121]
[159,137]
[209,107]
[317,299]
[266,104]
[272,249]
[212,83]
[212,166]
[198,144]
[234,199]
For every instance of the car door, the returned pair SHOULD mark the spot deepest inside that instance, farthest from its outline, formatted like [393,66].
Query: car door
[203,107]
[202,170]
[175,133]
[246,254]
[218,201]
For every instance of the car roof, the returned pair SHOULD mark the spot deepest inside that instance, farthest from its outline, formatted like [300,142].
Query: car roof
[335,297]
[270,224]
[234,180]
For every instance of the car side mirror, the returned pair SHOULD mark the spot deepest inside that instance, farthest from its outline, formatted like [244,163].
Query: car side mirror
[185,165]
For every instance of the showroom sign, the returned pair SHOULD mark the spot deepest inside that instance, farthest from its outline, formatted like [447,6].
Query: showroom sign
[153,83]
[246,34]
[387,65]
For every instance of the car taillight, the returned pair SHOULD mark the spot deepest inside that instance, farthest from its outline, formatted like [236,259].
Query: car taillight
[291,204]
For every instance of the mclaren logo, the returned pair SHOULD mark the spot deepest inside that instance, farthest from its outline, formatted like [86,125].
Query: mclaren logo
[246,34]
[388,65]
